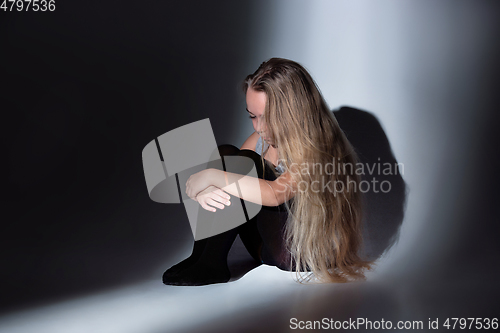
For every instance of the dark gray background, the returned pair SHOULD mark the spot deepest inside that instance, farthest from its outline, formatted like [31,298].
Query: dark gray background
[84,89]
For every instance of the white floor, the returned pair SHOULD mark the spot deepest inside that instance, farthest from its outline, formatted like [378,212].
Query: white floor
[153,307]
[266,300]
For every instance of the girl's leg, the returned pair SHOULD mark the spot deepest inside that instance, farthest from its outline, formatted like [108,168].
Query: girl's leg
[208,261]
[199,246]
[271,225]
[210,266]
[262,236]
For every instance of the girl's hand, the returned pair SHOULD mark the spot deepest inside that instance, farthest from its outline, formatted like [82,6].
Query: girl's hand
[197,182]
[213,197]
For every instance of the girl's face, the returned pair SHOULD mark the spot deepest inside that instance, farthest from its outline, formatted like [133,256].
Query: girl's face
[256,104]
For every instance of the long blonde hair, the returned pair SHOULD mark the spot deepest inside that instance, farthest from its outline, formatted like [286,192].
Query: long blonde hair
[323,230]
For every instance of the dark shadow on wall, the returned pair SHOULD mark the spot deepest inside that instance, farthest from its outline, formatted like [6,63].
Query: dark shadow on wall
[76,216]
[385,197]
[386,191]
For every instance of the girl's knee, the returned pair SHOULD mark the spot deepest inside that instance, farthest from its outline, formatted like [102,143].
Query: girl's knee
[228,150]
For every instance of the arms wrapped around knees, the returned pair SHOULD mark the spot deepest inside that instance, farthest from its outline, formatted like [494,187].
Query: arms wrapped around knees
[255,190]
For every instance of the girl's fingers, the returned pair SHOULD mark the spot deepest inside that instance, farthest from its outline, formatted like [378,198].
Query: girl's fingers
[222,197]
[218,198]
[205,206]
[210,200]
[214,203]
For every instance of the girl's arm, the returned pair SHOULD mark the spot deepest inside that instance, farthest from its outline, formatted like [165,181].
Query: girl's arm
[256,190]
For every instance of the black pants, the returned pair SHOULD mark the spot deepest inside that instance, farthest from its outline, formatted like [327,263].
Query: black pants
[264,235]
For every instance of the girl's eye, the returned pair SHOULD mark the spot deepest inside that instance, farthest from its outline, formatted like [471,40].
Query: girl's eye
[252,117]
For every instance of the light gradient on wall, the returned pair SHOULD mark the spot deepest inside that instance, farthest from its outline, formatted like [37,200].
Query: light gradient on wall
[417,66]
